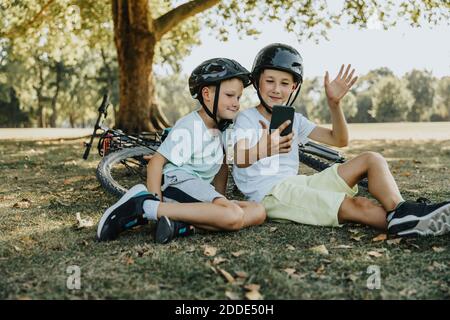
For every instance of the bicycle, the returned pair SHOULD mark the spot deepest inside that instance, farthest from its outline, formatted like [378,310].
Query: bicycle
[123,164]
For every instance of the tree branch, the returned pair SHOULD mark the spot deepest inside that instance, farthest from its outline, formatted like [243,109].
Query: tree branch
[169,20]
[26,25]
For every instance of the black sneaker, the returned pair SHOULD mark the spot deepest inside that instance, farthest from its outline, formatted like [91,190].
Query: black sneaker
[420,218]
[124,214]
[167,229]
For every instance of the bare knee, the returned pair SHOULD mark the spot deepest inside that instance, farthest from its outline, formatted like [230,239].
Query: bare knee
[234,217]
[373,157]
[259,213]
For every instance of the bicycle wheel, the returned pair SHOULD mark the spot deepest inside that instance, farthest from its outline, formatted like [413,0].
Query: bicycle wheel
[319,165]
[122,169]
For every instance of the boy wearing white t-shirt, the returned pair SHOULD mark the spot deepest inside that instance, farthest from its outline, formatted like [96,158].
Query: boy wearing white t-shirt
[266,164]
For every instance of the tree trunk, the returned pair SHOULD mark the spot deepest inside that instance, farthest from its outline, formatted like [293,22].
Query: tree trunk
[41,109]
[136,38]
[135,52]
[59,71]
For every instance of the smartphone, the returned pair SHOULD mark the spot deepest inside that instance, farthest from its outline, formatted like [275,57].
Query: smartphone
[280,114]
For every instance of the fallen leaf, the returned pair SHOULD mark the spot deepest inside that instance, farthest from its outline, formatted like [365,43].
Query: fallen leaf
[238,253]
[273,229]
[320,249]
[394,241]
[357,238]
[342,246]
[129,261]
[226,275]
[18,249]
[438,249]
[24,298]
[353,277]
[439,266]
[22,204]
[83,223]
[406,174]
[289,271]
[231,295]
[375,254]
[252,287]
[210,251]
[253,295]
[241,274]
[297,276]
[407,292]
[218,260]
[290,247]
[380,237]
[321,269]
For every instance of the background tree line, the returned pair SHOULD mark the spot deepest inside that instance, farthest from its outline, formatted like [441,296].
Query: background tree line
[58,56]
[42,92]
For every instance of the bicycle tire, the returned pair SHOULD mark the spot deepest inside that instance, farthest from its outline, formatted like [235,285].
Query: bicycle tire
[103,171]
[319,165]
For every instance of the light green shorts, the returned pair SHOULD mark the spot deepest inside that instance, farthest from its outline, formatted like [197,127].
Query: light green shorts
[313,199]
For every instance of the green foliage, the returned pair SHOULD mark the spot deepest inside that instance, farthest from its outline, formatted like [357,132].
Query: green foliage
[421,85]
[10,113]
[442,101]
[38,35]
[173,95]
[392,100]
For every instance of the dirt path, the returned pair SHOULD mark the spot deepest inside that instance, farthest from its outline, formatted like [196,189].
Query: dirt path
[43,134]
[358,131]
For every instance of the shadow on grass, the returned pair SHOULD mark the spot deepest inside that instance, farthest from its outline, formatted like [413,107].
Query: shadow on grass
[38,241]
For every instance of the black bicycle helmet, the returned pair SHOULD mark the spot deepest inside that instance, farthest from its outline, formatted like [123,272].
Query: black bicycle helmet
[213,72]
[281,57]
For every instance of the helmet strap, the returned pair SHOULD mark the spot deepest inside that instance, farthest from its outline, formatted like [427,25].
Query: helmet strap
[295,96]
[222,124]
[261,100]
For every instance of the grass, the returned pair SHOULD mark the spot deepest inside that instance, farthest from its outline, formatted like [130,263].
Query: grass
[44,185]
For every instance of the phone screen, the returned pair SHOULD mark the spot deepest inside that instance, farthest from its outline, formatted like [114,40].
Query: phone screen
[279,115]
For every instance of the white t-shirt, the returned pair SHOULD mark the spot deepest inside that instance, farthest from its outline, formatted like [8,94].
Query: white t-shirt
[258,179]
[193,148]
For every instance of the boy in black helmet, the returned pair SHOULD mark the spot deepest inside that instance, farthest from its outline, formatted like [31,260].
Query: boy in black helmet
[191,158]
[266,164]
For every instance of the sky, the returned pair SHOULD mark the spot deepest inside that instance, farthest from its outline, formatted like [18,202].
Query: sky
[401,49]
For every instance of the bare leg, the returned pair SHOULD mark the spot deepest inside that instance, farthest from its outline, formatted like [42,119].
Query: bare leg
[254,214]
[381,182]
[221,214]
[362,210]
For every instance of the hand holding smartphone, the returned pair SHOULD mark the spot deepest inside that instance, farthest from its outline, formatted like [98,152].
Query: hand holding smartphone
[281,114]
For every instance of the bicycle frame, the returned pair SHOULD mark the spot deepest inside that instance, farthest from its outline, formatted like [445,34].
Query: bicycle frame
[115,139]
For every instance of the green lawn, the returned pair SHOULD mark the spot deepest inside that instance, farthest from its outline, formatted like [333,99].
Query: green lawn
[44,185]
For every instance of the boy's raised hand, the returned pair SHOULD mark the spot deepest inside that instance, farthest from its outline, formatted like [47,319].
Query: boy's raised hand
[273,143]
[339,87]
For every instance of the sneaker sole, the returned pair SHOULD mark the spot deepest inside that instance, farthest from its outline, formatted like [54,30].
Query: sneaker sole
[129,194]
[163,231]
[435,223]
